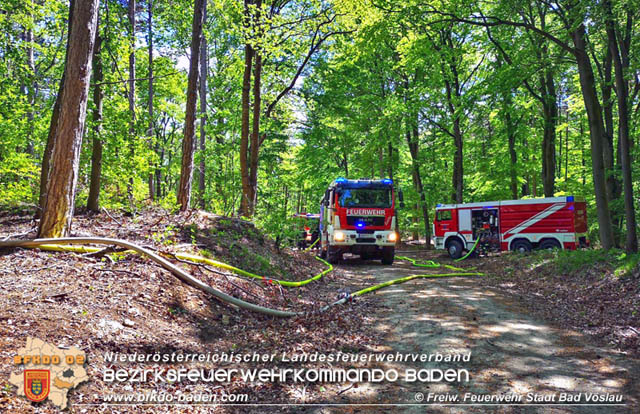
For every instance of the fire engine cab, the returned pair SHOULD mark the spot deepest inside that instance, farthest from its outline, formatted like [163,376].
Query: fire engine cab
[519,225]
[358,217]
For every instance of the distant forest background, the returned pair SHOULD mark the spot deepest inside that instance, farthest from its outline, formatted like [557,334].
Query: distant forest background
[254,107]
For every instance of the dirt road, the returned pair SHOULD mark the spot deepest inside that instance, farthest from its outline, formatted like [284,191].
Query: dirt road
[511,353]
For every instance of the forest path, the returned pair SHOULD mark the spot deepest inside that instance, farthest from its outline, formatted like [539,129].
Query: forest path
[511,352]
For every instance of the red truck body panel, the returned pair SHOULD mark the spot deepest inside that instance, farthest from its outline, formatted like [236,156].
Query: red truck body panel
[559,219]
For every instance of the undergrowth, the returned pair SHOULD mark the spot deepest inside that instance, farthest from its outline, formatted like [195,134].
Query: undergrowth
[572,261]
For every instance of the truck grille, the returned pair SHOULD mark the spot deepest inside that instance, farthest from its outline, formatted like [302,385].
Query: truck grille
[365,240]
[367,220]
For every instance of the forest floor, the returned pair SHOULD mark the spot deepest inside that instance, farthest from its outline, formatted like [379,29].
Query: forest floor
[529,326]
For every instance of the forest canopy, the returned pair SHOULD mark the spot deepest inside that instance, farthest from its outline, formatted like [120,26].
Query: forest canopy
[253,107]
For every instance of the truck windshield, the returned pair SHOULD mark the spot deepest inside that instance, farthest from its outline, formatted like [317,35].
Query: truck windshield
[365,197]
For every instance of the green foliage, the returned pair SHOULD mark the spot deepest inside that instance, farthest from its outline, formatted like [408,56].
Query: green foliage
[568,261]
[19,176]
[397,71]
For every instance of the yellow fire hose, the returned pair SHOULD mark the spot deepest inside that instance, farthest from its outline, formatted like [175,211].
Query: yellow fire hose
[57,244]
[434,265]
[194,259]
[312,244]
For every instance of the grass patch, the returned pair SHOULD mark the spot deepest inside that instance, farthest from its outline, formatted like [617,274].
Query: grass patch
[571,261]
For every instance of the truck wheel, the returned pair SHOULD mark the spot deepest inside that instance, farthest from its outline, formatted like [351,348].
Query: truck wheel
[550,244]
[521,246]
[455,249]
[333,255]
[388,254]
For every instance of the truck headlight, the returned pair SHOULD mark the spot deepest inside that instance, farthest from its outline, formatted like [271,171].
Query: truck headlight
[338,236]
[393,236]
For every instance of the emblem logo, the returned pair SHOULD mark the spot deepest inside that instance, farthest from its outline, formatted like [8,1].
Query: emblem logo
[36,384]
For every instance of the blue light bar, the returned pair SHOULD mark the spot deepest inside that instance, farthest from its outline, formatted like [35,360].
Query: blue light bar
[439,205]
[341,180]
[569,199]
[360,225]
[387,181]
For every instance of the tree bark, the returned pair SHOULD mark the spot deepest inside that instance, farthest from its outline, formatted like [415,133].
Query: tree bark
[53,125]
[203,111]
[550,112]
[132,95]
[607,107]
[597,135]
[244,133]
[150,97]
[453,94]
[622,92]
[188,143]
[511,138]
[412,138]
[65,157]
[93,202]
[31,87]
[255,134]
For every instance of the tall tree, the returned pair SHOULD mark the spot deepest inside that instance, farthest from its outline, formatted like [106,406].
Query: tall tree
[132,95]
[572,17]
[93,202]
[189,141]
[150,94]
[619,51]
[246,198]
[65,157]
[53,125]
[204,59]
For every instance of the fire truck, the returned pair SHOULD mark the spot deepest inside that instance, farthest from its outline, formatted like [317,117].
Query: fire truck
[517,225]
[359,217]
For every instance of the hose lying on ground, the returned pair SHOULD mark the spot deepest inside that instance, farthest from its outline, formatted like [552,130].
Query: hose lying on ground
[312,244]
[55,245]
[195,259]
[433,264]
[429,263]
[469,252]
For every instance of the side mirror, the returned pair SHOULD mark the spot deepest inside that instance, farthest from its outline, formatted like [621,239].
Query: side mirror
[401,198]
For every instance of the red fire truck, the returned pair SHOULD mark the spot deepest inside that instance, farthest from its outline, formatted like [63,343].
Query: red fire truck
[359,216]
[519,225]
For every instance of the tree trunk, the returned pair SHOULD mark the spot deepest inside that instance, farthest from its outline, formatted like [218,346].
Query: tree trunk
[511,137]
[607,107]
[203,110]
[550,112]
[597,134]
[244,133]
[622,92]
[31,88]
[65,157]
[132,96]
[458,171]
[53,125]
[255,134]
[417,180]
[93,202]
[189,141]
[150,98]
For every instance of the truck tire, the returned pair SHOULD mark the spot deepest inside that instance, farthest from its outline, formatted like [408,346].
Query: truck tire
[454,248]
[550,244]
[388,254]
[323,253]
[522,246]
[333,255]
